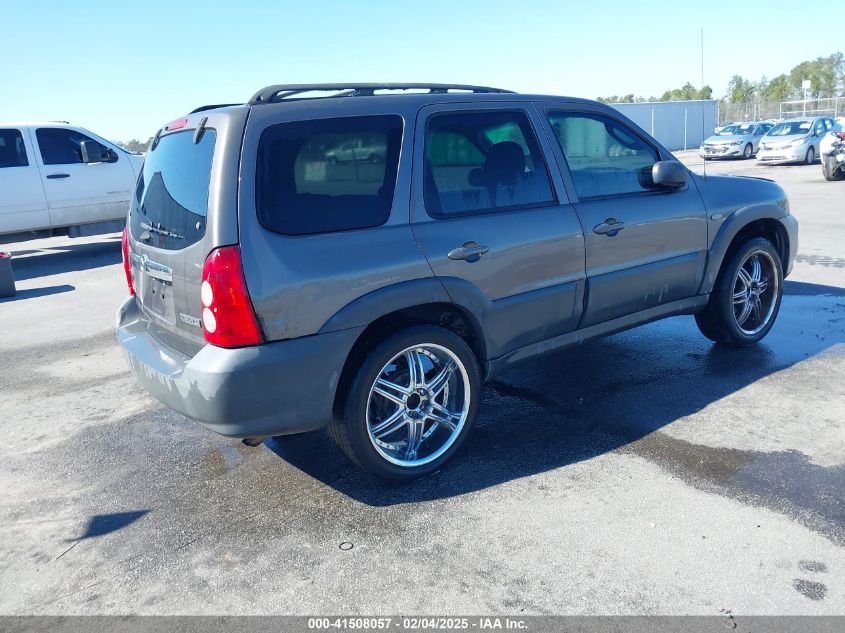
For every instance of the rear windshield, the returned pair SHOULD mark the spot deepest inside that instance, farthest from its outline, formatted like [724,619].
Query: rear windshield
[171,197]
[327,174]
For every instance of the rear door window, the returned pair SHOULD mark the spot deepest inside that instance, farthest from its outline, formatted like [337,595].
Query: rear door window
[327,175]
[483,161]
[171,198]
[604,157]
[12,149]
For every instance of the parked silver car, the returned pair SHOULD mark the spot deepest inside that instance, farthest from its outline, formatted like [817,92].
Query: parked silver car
[735,140]
[794,141]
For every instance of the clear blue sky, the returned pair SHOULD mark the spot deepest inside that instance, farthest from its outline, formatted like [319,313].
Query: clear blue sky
[123,69]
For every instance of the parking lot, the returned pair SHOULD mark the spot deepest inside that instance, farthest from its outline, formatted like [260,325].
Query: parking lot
[649,472]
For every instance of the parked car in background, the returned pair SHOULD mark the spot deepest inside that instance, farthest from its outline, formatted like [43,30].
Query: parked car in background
[794,141]
[736,140]
[270,294]
[58,176]
[832,148]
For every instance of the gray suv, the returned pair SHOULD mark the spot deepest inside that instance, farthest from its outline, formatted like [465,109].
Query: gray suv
[276,290]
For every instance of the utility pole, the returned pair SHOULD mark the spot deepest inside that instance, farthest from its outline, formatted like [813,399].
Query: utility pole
[702,59]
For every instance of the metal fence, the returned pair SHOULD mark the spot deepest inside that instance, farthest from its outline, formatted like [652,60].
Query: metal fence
[676,124]
[755,111]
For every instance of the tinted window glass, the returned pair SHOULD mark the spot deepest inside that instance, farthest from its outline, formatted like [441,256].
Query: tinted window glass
[327,174]
[61,146]
[171,197]
[604,157]
[483,161]
[12,149]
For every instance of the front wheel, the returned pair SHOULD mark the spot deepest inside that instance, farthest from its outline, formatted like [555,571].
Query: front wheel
[411,402]
[748,151]
[746,298]
[811,156]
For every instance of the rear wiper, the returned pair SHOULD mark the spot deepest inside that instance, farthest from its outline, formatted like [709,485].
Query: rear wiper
[148,226]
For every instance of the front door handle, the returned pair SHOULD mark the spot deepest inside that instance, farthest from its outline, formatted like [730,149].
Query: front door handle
[610,227]
[470,251]
[51,176]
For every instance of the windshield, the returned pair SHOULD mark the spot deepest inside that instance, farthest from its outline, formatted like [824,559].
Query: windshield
[740,129]
[790,128]
[171,197]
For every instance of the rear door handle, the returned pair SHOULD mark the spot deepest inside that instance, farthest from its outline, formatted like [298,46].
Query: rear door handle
[470,251]
[51,176]
[610,227]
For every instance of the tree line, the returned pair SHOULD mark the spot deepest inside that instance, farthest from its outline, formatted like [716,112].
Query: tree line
[826,75]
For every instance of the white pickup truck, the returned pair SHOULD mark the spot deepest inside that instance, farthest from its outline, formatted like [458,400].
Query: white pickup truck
[57,176]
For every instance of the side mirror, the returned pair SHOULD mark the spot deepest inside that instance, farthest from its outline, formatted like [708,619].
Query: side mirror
[669,174]
[93,152]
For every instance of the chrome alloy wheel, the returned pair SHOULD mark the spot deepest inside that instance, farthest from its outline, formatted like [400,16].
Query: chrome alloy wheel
[418,405]
[755,292]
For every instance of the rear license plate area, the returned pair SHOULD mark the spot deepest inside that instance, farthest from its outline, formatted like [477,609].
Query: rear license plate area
[157,297]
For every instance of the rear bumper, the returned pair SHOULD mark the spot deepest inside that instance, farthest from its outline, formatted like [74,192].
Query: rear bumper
[272,389]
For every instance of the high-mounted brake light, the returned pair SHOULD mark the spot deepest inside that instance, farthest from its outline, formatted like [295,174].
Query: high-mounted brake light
[127,266]
[228,319]
[178,124]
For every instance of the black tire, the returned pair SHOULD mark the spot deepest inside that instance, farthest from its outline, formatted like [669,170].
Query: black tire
[748,151]
[830,170]
[349,428]
[717,321]
[810,158]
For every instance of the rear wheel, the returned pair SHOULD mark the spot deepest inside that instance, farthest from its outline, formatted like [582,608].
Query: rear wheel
[746,298]
[410,405]
[811,156]
[748,152]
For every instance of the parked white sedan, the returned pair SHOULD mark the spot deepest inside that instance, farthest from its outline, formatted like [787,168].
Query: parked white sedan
[794,141]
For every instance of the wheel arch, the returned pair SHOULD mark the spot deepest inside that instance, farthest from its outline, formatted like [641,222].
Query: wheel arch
[415,302]
[758,221]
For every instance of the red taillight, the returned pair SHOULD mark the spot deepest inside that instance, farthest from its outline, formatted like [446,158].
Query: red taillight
[127,266]
[228,319]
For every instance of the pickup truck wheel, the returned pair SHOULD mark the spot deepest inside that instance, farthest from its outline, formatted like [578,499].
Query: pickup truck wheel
[410,405]
[746,298]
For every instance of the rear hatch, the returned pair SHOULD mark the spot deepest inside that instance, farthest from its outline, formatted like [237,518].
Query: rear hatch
[184,206]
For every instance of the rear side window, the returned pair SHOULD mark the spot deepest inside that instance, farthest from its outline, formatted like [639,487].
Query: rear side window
[12,149]
[327,175]
[605,158]
[61,146]
[483,161]
[171,197]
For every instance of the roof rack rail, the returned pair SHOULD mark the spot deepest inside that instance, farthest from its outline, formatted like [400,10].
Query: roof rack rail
[276,93]
[212,107]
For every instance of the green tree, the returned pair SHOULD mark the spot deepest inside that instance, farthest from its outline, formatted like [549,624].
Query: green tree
[740,90]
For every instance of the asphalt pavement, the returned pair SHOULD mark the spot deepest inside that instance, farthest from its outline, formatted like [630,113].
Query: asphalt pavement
[650,472]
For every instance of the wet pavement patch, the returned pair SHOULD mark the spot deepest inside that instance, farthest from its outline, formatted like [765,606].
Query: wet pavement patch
[786,482]
[810,589]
